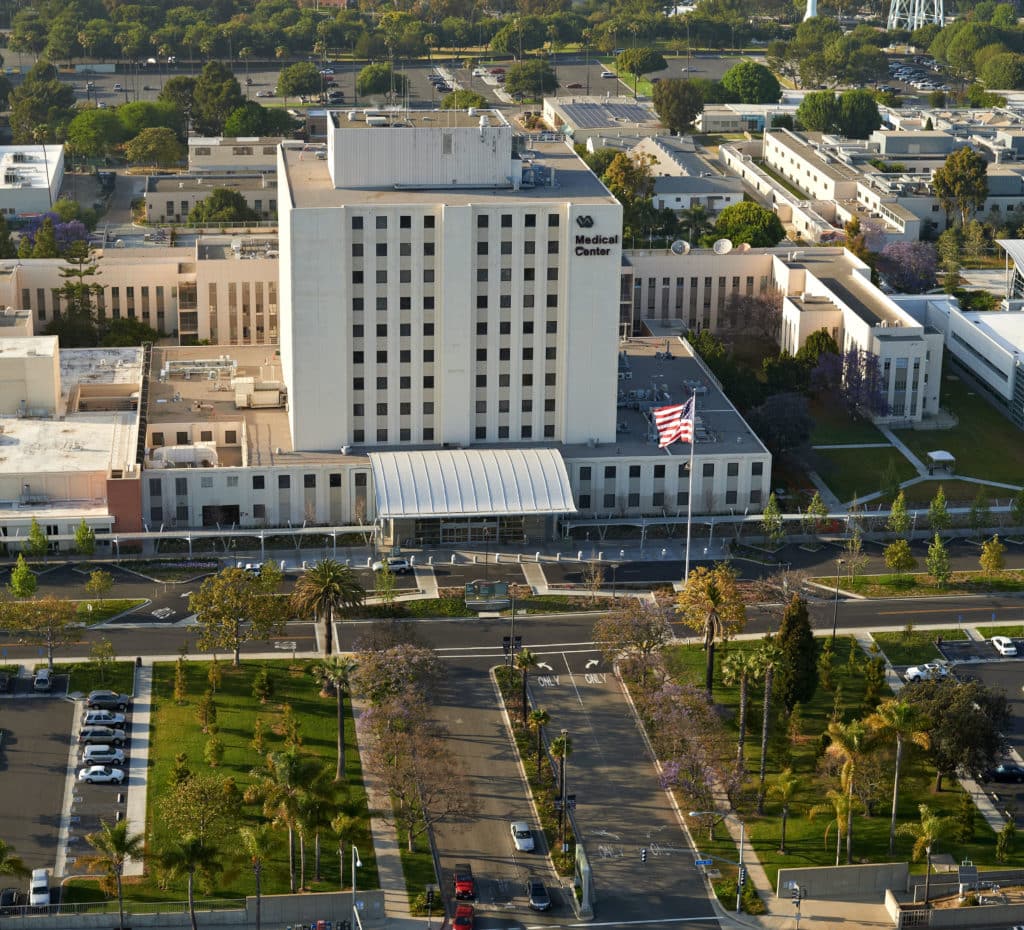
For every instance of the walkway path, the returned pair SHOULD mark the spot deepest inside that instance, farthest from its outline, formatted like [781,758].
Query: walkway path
[828,498]
[920,467]
[138,759]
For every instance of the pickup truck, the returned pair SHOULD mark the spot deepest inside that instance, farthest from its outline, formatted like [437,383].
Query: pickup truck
[465,886]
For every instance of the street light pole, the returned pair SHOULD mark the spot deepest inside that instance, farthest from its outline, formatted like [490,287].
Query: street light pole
[561,771]
[741,877]
[835,602]
[356,864]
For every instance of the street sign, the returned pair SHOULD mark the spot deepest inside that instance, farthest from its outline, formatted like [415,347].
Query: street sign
[705,862]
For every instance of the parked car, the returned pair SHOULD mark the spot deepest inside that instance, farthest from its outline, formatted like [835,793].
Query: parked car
[607,74]
[101,735]
[118,87]
[1004,645]
[1007,773]
[522,836]
[463,919]
[39,888]
[397,566]
[465,886]
[101,754]
[537,894]
[575,85]
[110,700]
[264,93]
[327,70]
[101,775]
[43,680]
[926,672]
[9,900]
[5,682]
[102,718]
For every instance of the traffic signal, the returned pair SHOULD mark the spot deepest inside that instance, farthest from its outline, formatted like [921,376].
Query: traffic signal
[430,897]
[742,879]
[643,854]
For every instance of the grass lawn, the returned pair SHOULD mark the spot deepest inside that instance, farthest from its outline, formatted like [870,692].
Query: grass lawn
[985,443]
[915,647]
[1014,632]
[175,729]
[958,494]
[921,585]
[87,676]
[853,473]
[93,612]
[806,843]
[833,425]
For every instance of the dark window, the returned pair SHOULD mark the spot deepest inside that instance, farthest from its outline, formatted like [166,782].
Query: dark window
[481,432]
[481,329]
[659,471]
[428,355]
[552,247]
[284,482]
[757,469]
[530,220]
[382,222]
[634,471]
[334,480]
[357,277]
[730,497]
[357,384]
[405,329]
[633,500]
[382,357]
[481,381]
[549,431]
[732,469]
[357,331]
[405,356]
[428,329]
[503,432]
[609,501]
[551,326]
[526,432]
[709,470]
[584,502]
[405,222]
[658,499]
[357,222]
[482,221]
[405,382]
[405,409]
[428,434]
[382,383]
[382,250]
[382,329]
[428,222]
[552,219]
[428,408]
[481,248]
[358,410]
[609,471]
[258,482]
[382,410]
[505,328]
[357,250]
[309,481]
[428,382]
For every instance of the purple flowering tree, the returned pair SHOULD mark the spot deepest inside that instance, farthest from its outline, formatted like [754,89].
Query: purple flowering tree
[910,266]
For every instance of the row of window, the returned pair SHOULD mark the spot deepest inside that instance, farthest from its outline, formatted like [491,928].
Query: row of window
[405,276]
[483,221]
[632,500]
[184,438]
[732,470]
[405,303]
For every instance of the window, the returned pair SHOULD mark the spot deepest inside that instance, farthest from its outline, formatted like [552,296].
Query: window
[334,480]
[481,302]
[405,383]
[382,435]
[405,222]
[309,481]
[428,408]
[357,277]
[357,384]
[428,277]
[552,274]
[506,247]
[549,431]
[405,329]
[482,221]
[682,471]
[503,432]
[357,222]
[155,487]
[756,469]
[382,357]
[359,410]
[481,329]
[382,304]
[156,514]
[481,432]
[357,304]
[232,481]
[609,471]
[481,381]
[584,502]
[730,497]
[549,405]
[181,513]
[682,498]
[382,330]
[732,469]
[382,276]
[755,496]
[609,501]
[481,274]
[633,500]
[584,473]
[428,329]
[526,432]
[158,439]
[182,438]
[357,331]
[382,250]
[230,437]
[481,355]
[527,406]
[405,409]
[428,355]
[551,326]
[658,499]
[428,249]
[357,250]
[552,219]
[405,356]
[382,383]
[405,249]
[382,222]
[481,248]
[530,220]
[284,482]
[382,410]
[428,222]
[659,471]
[552,247]
[206,435]
[358,435]
[709,470]
[259,511]
[358,358]
[258,482]
[428,382]
[481,406]
[634,471]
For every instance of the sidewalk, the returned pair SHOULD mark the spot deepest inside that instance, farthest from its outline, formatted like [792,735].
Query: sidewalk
[138,759]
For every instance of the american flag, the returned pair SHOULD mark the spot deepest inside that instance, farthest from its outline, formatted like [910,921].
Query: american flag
[675,423]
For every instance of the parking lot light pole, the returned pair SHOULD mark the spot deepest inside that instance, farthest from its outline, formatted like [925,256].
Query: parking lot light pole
[743,832]
[356,864]
[835,602]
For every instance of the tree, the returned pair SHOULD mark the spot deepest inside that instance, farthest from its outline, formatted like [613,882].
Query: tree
[561,749]
[149,114]
[849,742]
[817,514]
[772,525]
[327,589]
[910,267]
[961,184]
[187,855]
[636,630]
[251,119]
[37,545]
[902,722]
[223,206]
[256,840]
[841,806]
[299,80]
[694,222]
[677,103]
[752,83]
[938,515]
[749,222]
[235,607]
[784,422]
[818,111]
[630,180]
[385,584]
[156,145]
[1006,839]
[95,133]
[179,91]
[710,604]
[127,332]
[114,846]
[979,517]
[899,520]
[48,622]
[41,106]
[334,674]
[899,558]
[798,666]
[785,788]
[858,113]
[937,561]
[1017,508]
[379,78]
[215,96]
[532,78]
[993,554]
[640,61]
[1003,72]
[10,864]
[769,655]
[85,539]
[739,668]
[23,581]
[102,657]
[539,719]
[462,100]
[385,675]
[524,661]
[925,833]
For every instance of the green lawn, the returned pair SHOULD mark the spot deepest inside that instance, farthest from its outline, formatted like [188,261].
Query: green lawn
[93,612]
[986,444]
[921,585]
[1014,632]
[805,838]
[853,473]
[915,647]
[87,676]
[833,425]
[958,494]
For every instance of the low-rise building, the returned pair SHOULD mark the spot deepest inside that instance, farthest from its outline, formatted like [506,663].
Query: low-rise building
[31,179]
[224,155]
[169,198]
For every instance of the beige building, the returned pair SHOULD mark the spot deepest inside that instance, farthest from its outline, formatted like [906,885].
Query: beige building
[170,198]
[225,155]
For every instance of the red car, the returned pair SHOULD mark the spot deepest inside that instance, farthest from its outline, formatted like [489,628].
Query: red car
[463,919]
[465,887]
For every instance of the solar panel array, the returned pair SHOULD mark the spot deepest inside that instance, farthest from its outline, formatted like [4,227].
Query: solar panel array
[598,115]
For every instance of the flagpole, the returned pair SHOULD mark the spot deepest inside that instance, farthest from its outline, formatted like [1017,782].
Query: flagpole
[689,494]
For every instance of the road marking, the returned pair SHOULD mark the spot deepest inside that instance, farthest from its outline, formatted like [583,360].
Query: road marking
[599,679]
[593,662]
[547,681]
[289,645]
[498,648]
[545,666]
[939,610]
[572,681]
[628,923]
[186,594]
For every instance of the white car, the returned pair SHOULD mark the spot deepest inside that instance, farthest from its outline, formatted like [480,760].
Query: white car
[101,775]
[102,755]
[607,74]
[1004,645]
[522,835]
[926,672]
[396,566]
[39,888]
[327,71]
[102,718]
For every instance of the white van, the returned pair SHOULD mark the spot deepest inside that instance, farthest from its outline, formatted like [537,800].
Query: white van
[43,680]
[39,888]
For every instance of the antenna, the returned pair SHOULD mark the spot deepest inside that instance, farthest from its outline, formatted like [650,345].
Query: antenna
[680,247]
[722,247]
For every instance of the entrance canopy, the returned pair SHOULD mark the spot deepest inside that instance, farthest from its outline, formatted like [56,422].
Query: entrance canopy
[471,482]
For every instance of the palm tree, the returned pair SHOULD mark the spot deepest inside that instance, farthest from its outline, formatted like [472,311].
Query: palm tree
[738,668]
[711,604]
[11,864]
[695,222]
[347,827]
[840,806]
[186,856]
[256,841]
[901,721]
[539,719]
[525,660]
[114,846]
[317,803]
[929,829]
[324,590]
[785,787]
[768,655]
[561,749]
[334,672]
[849,740]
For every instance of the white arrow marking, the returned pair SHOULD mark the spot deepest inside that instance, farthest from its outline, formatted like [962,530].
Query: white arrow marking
[187,594]
[545,666]
[593,662]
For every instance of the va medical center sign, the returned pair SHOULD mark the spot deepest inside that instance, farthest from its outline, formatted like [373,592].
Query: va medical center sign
[594,244]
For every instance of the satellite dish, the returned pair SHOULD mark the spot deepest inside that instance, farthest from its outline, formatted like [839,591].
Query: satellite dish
[680,247]
[722,247]
[743,247]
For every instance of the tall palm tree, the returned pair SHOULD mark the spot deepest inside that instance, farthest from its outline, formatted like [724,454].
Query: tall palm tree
[840,806]
[114,845]
[325,590]
[334,672]
[316,805]
[561,749]
[901,721]
[695,222]
[925,833]
[785,787]
[738,668]
[850,741]
[347,827]
[10,864]
[539,719]
[186,856]
[256,841]
[711,604]
[525,660]
[768,655]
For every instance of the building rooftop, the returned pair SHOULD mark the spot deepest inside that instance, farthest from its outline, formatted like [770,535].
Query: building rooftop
[28,165]
[837,273]
[309,181]
[374,118]
[598,112]
[172,183]
[25,348]
[810,152]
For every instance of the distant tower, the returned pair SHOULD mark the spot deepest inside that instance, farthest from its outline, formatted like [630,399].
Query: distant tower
[913,14]
[812,10]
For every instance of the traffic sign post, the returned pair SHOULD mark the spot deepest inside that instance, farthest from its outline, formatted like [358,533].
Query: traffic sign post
[704,862]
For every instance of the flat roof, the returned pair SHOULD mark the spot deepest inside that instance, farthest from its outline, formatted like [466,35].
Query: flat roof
[169,183]
[807,151]
[831,268]
[413,119]
[26,346]
[312,188]
[100,366]
[80,442]
[598,113]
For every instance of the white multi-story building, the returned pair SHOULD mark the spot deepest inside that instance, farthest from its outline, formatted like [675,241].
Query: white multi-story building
[31,179]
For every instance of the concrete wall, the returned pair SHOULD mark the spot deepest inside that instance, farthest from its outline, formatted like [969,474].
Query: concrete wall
[846,881]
